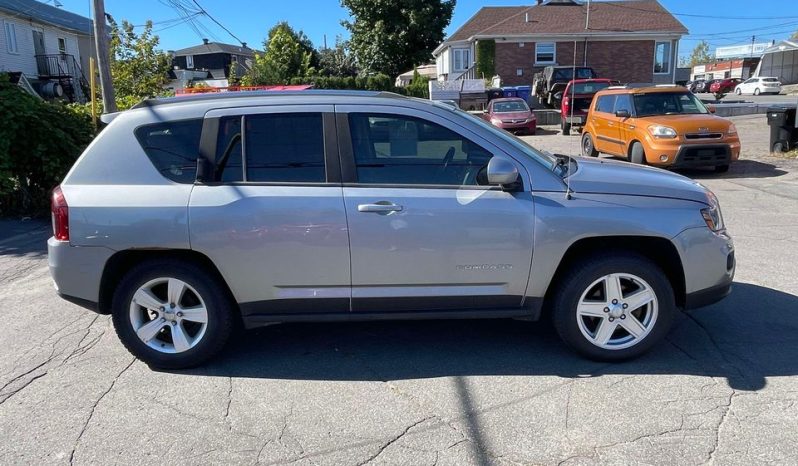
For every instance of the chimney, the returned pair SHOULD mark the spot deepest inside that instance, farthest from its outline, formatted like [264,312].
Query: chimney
[244,44]
[526,17]
[205,41]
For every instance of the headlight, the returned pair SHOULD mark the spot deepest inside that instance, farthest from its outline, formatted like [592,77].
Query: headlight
[495,121]
[712,214]
[664,132]
[732,129]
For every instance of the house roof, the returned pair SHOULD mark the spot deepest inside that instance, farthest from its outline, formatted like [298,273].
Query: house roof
[43,13]
[568,17]
[783,46]
[214,47]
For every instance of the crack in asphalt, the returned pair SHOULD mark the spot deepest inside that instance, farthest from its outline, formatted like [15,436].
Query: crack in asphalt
[229,402]
[394,440]
[94,408]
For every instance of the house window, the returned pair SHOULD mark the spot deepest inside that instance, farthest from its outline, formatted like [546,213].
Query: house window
[462,59]
[545,52]
[519,71]
[11,37]
[662,57]
[62,46]
[189,61]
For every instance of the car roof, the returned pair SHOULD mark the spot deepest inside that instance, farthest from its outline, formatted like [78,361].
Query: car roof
[642,90]
[594,80]
[221,97]
[508,99]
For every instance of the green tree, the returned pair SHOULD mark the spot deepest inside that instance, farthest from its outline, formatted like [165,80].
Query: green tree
[700,54]
[418,86]
[285,57]
[337,61]
[390,36]
[138,68]
[299,36]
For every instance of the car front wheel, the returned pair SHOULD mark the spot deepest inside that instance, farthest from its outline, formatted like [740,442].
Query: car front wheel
[613,306]
[738,91]
[756,91]
[171,315]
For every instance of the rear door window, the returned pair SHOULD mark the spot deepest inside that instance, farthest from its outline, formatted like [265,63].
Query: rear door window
[606,103]
[172,147]
[284,147]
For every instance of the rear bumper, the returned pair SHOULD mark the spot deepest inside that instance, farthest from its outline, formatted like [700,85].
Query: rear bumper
[77,271]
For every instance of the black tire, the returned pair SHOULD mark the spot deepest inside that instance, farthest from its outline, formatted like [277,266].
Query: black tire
[721,168]
[779,147]
[566,297]
[566,128]
[220,313]
[588,149]
[636,154]
[738,91]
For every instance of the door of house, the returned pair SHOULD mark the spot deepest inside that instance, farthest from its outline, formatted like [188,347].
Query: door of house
[39,51]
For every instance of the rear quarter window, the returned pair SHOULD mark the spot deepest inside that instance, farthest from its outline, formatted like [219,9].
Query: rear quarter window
[172,147]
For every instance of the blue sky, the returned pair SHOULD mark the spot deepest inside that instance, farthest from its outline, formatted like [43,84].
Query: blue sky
[250,19]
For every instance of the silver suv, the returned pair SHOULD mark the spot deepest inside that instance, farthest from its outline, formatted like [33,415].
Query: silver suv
[187,216]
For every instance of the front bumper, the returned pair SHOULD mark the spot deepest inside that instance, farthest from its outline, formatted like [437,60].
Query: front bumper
[683,154]
[709,264]
[529,126]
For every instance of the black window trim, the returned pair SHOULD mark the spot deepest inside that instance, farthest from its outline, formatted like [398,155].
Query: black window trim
[349,167]
[332,166]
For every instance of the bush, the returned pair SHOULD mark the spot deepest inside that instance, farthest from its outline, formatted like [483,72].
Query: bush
[39,142]
[377,82]
[418,87]
[486,58]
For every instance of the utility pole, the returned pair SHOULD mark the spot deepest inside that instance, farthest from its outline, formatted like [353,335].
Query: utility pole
[753,38]
[104,67]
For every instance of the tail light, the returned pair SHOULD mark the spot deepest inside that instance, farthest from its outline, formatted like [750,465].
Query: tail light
[60,212]
[566,103]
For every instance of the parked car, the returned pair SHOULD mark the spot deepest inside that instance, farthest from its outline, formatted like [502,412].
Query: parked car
[708,85]
[576,99]
[724,86]
[759,85]
[547,84]
[699,85]
[511,114]
[189,214]
[664,126]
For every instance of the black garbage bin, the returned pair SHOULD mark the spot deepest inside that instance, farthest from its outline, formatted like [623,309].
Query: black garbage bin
[783,133]
[495,93]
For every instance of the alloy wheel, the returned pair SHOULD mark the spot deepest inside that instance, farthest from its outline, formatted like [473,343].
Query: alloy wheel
[168,315]
[617,311]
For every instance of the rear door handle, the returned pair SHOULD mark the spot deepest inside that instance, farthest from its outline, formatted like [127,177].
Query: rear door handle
[379,207]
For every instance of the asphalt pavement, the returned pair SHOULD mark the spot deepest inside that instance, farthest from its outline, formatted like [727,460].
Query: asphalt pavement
[722,389]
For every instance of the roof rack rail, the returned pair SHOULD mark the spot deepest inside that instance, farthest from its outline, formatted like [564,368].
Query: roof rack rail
[617,87]
[667,85]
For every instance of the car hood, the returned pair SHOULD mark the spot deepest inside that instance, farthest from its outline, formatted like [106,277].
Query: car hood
[603,176]
[689,123]
[512,115]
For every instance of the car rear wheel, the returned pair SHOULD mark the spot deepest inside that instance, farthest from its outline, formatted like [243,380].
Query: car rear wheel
[566,128]
[637,155]
[172,316]
[613,307]
[588,150]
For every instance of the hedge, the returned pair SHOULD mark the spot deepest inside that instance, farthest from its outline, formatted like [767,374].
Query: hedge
[486,58]
[39,142]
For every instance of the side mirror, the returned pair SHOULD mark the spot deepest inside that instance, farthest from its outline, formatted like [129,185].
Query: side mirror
[502,172]
[711,108]
[622,113]
[203,170]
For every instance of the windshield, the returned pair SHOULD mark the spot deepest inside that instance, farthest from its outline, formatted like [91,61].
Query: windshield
[588,88]
[510,106]
[523,148]
[668,103]
[568,73]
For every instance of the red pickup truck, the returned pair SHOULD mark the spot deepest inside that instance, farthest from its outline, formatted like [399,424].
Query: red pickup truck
[576,99]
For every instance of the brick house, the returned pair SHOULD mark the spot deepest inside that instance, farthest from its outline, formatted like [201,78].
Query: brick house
[633,41]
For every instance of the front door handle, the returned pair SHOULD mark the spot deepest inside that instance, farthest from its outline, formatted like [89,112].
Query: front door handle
[379,207]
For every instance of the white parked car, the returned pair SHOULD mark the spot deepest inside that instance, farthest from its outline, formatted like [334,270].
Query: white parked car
[760,85]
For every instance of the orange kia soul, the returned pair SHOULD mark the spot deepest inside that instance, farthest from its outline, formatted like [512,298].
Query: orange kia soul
[664,126]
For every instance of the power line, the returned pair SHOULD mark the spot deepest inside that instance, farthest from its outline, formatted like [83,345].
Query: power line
[691,15]
[203,10]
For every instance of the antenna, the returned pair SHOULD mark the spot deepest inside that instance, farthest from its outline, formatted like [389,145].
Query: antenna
[570,118]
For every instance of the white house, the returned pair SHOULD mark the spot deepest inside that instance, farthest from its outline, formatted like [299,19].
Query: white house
[49,46]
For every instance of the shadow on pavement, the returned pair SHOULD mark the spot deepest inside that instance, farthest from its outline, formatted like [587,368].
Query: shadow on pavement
[24,237]
[750,335]
[739,169]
